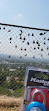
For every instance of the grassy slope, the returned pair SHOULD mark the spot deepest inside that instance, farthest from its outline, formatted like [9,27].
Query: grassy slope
[10,103]
[9,109]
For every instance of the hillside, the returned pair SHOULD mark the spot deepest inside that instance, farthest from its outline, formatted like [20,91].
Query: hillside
[10,103]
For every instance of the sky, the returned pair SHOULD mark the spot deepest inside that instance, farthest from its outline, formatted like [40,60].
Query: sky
[33,13]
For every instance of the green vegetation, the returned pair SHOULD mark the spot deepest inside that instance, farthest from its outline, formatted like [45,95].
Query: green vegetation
[11,82]
[12,76]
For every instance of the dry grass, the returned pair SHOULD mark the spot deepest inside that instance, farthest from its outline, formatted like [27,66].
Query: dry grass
[10,103]
[9,109]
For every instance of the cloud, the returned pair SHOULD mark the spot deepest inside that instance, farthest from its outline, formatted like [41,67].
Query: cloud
[19,19]
[19,15]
